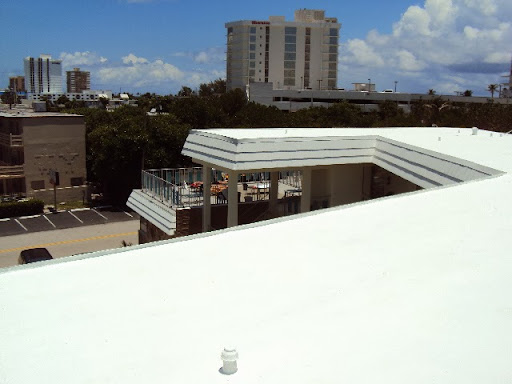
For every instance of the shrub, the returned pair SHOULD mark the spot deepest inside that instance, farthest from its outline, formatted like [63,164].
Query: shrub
[21,208]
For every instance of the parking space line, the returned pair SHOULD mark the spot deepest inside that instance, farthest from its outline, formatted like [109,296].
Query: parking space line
[28,217]
[99,214]
[21,225]
[128,214]
[54,226]
[6,219]
[75,216]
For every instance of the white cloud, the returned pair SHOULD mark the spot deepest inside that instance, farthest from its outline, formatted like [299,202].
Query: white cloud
[207,56]
[408,62]
[466,39]
[138,74]
[363,54]
[81,58]
[132,59]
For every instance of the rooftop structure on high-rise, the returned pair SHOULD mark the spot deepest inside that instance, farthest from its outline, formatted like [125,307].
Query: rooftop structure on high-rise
[290,54]
[43,74]
[78,81]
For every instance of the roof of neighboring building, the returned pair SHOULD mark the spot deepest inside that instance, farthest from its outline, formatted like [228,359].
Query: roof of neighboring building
[409,288]
[30,113]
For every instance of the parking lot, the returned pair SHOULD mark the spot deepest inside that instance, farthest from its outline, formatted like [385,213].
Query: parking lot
[64,219]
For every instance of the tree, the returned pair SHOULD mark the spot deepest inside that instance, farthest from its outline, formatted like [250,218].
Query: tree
[468,93]
[63,100]
[492,88]
[431,92]
[186,92]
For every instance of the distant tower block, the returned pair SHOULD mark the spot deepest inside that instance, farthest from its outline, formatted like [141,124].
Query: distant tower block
[290,54]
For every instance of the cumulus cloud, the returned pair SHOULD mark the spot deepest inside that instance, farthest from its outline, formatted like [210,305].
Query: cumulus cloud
[81,58]
[208,56]
[436,39]
[139,74]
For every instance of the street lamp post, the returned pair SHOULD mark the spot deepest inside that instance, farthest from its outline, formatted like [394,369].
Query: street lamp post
[369,85]
[396,82]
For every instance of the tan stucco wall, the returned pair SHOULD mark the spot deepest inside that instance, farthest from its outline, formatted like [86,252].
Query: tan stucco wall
[56,142]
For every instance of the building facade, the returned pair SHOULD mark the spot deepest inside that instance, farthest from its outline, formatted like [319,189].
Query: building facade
[299,54]
[43,74]
[17,83]
[32,144]
[78,81]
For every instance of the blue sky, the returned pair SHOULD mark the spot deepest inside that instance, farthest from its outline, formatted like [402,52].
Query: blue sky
[160,45]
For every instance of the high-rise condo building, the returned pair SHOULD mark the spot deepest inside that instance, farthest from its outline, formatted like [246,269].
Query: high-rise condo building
[43,74]
[290,54]
[17,83]
[78,81]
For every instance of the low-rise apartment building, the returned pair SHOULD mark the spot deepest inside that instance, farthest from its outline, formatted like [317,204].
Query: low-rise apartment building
[32,144]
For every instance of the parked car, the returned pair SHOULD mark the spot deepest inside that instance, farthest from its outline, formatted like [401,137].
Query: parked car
[34,254]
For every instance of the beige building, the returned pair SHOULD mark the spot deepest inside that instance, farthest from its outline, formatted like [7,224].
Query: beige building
[17,83]
[290,54]
[32,144]
[78,81]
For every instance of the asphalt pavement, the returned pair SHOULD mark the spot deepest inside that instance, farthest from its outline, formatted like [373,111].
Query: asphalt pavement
[73,218]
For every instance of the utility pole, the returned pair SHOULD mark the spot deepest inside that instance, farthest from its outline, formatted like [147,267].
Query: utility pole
[395,85]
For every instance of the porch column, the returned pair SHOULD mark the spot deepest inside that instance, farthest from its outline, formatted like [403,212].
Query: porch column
[274,187]
[305,200]
[207,206]
[232,199]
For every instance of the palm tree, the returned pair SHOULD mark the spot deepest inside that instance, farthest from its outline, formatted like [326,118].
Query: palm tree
[431,92]
[492,88]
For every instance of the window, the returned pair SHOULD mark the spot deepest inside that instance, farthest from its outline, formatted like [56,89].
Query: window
[289,81]
[333,32]
[289,73]
[252,47]
[37,184]
[251,72]
[289,64]
[332,66]
[252,64]
[252,38]
[289,56]
[252,30]
[290,39]
[333,40]
[76,181]
[333,49]
[252,56]
[332,75]
[290,30]
[332,57]
[289,47]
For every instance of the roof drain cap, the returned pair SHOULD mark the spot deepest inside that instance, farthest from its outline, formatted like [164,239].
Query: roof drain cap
[475,131]
[229,357]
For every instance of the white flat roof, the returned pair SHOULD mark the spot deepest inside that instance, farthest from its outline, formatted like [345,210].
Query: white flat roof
[410,288]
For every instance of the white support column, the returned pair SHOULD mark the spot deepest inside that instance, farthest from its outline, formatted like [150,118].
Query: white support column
[305,200]
[274,187]
[233,199]
[207,206]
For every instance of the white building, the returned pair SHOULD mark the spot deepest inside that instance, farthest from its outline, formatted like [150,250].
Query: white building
[86,95]
[290,54]
[43,74]
[407,288]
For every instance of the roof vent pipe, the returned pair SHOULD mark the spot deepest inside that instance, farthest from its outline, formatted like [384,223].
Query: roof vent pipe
[475,131]
[229,357]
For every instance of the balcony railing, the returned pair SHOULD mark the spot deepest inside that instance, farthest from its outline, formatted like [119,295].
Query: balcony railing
[11,171]
[182,187]
[11,140]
